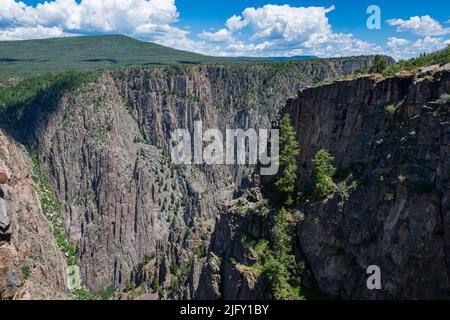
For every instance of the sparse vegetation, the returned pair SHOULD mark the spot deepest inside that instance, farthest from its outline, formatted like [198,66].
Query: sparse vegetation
[25,271]
[439,57]
[392,107]
[51,209]
[445,97]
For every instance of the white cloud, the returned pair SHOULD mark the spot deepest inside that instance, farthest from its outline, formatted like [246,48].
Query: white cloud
[222,35]
[282,30]
[394,42]
[38,32]
[421,26]
[271,30]
[149,18]
[404,49]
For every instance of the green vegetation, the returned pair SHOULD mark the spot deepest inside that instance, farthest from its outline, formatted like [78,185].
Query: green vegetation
[155,285]
[323,172]
[289,151]
[389,197]
[25,271]
[444,98]
[139,140]
[33,57]
[51,209]
[392,107]
[33,86]
[379,65]
[83,294]
[439,57]
[276,263]
[107,293]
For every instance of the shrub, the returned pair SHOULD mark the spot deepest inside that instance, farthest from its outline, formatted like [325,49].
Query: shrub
[25,270]
[155,285]
[323,172]
[392,107]
[107,293]
[380,64]
[389,197]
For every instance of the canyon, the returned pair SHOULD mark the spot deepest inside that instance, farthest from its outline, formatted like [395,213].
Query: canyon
[93,159]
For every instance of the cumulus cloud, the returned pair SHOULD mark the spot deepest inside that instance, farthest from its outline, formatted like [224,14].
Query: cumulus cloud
[270,30]
[38,32]
[283,30]
[421,26]
[223,35]
[400,48]
[149,19]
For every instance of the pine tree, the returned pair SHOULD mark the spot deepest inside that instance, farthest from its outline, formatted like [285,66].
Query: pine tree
[323,172]
[288,163]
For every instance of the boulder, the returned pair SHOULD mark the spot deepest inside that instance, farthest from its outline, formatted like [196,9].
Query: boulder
[5,175]
[5,220]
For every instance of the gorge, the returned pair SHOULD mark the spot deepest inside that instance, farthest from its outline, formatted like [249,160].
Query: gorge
[91,200]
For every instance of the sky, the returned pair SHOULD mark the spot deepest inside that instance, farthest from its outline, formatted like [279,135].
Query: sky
[322,28]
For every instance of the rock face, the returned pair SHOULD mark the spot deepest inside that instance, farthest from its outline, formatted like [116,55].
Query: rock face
[31,265]
[138,221]
[392,137]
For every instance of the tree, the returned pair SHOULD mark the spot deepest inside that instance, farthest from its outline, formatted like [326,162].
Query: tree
[379,64]
[323,172]
[288,161]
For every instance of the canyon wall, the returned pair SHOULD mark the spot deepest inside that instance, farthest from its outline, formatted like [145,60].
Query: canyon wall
[391,141]
[157,230]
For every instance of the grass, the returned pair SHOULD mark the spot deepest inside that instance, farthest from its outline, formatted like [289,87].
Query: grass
[33,57]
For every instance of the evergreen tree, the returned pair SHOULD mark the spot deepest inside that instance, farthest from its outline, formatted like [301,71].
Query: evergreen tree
[323,172]
[285,259]
[289,151]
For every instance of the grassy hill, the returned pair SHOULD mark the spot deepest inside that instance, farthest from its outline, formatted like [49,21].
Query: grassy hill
[34,57]
[31,57]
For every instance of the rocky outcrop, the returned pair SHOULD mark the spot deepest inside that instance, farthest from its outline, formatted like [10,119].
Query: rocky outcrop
[31,264]
[390,138]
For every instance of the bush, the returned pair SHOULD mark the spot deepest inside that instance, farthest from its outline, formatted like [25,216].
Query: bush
[323,172]
[25,270]
[155,285]
[389,197]
[380,64]
[107,293]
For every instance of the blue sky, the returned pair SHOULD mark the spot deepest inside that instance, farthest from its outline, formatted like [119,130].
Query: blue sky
[241,27]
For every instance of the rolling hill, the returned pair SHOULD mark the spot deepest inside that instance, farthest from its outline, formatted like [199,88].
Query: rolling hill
[31,57]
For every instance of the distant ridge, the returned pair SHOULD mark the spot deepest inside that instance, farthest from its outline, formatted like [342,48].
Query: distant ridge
[30,57]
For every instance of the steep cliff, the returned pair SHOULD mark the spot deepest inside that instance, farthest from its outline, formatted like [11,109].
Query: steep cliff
[391,140]
[31,264]
[138,222]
